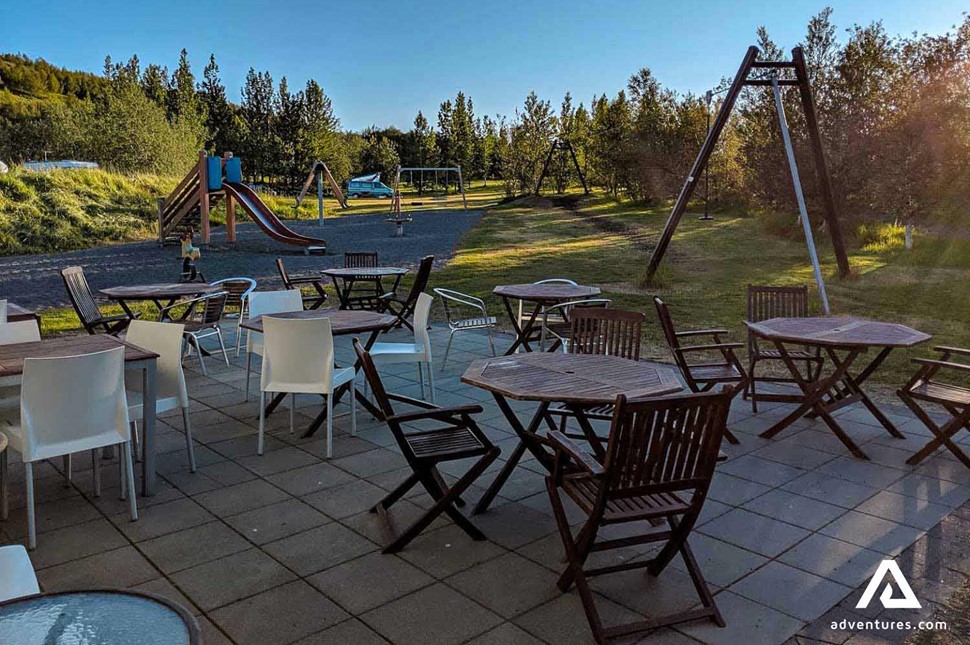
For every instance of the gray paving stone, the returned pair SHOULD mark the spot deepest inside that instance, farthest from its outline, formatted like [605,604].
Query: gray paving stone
[834,559]
[163,587]
[754,532]
[233,500]
[794,509]
[346,633]
[721,563]
[938,491]
[269,523]
[447,551]
[912,511]
[872,532]
[747,622]
[369,581]
[232,578]
[506,634]
[563,620]
[122,567]
[514,525]
[733,490]
[310,479]
[372,462]
[769,473]
[792,591]
[297,610]
[787,451]
[508,585]
[161,519]
[320,548]
[861,472]
[190,547]
[347,499]
[831,490]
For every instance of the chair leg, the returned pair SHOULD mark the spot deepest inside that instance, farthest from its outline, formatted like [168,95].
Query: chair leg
[399,491]
[421,381]
[68,470]
[188,438]
[491,341]
[122,477]
[451,337]
[135,442]
[752,385]
[222,345]
[249,371]
[700,585]
[4,485]
[434,395]
[353,410]
[292,413]
[239,332]
[198,348]
[31,521]
[132,502]
[330,425]
[262,421]
[96,471]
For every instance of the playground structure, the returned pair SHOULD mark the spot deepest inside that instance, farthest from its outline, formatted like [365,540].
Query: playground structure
[767,74]
[321,173]
[211,180]
[562,146]
[395,203]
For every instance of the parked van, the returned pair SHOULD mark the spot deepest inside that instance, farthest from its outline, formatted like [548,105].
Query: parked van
[368,186]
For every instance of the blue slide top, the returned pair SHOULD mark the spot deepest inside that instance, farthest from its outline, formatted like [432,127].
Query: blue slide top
[234,170]
[214,172]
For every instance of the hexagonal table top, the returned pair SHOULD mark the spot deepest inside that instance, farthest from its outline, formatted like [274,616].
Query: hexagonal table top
[838,331]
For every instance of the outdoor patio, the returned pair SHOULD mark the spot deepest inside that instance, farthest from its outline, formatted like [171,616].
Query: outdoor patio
[280,548]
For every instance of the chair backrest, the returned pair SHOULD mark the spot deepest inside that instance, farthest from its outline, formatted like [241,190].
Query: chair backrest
[451,299]
[373,379]
[556,281]
[670,335]
[209,309]
[614,332]
[354,260]
[665,445]
[81,296]
[237,290]
[297,355]
[20,331]
[422,312]
[766,302]
[17,577]
[421,278]
[274,302]
[284,276]
[165,339]
[73,403]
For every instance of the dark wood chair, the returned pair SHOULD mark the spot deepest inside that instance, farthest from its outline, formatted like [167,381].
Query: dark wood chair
[601,331]
[311,301]
[403,306]
[703,376]
[658,467]
[765,302]
[455,437]
[363,292]
[86,307]
[953,398]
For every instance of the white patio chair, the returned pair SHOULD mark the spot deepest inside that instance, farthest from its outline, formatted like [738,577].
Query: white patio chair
[17,577]
[417,352]
[298,358]
[23,331]
[238,290]
[165,339]
[456,303]
[260,304]
[69,405]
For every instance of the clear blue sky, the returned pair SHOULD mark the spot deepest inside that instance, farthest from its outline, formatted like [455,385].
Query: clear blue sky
[381,61]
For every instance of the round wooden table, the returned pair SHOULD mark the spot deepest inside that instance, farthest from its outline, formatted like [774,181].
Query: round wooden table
[107,617]
[344,279]
[541,295]
[163,295]
[843,339]
[342,322]
[578,381]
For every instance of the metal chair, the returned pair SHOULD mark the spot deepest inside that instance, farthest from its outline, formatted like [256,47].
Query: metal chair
[201,320]
[954,398]
[403,306]
[456,303]
[658,467]
[456,437]
[765,302]
[237,294]
[523,317]
[312,301]
[86,307]
[702,377]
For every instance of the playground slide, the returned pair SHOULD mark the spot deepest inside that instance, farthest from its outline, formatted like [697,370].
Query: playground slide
[260,213]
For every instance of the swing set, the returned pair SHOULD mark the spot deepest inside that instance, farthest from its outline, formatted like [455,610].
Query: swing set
[321,173]
[776,75]
[437,173]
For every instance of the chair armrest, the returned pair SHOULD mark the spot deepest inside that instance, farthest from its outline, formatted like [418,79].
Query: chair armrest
[700,332]
[952,350]
[305,280]
[440,414]
[944,364]
[709,348]
[583,459]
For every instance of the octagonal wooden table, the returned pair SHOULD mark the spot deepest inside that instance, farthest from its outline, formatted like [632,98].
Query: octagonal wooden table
[542,295]
[162,295]
[577,381]
[344,279]
[843,339]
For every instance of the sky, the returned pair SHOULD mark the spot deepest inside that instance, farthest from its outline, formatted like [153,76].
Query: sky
[380,62]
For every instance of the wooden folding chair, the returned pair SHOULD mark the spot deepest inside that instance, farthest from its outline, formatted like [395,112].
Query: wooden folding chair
[659,463]
[363,292]
[765,302]
[403,306]
[86,306]
[456,437]
[311,301]
[954,399]
[702,377]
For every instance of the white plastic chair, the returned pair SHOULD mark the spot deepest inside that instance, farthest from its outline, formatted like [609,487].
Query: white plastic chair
[165,339]
[298,359]
[260,304]
[417,352]
[17,578]
[71,404]
[22,331]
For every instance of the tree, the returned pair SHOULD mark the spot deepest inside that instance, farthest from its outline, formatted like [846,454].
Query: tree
[380,155]
[154,83]
[182,99]
[530,138]
[220,117]
[258,111]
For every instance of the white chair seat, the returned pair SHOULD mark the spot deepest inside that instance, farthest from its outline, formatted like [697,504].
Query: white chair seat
[15,434]
[136,409]
[17,578]
[340,376]
[405,352]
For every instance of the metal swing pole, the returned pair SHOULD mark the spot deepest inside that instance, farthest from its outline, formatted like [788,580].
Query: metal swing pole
[799,196]
[320,197]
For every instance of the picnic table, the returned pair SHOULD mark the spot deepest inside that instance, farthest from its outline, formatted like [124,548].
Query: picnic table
[578,381]
[843,339]
[541,295]
[162,295]
[12,359]
[344,279]
[342,323]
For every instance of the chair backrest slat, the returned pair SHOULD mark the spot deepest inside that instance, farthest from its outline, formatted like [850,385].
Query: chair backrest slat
[766,302]
[81,296]
[612,332]
[284,276]
[358,259]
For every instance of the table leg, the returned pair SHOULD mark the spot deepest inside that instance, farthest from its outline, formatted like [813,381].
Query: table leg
[148,428]
[529,439]
[594,440]
[521,333]
[854,386]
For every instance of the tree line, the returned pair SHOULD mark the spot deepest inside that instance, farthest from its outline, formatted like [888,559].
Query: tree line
[893,112]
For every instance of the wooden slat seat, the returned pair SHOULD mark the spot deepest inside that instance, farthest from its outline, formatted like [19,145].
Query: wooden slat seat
[585,490]
[941,393]
[447,441]
[716,373]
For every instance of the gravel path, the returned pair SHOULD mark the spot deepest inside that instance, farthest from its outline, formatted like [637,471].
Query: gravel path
[34,281]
